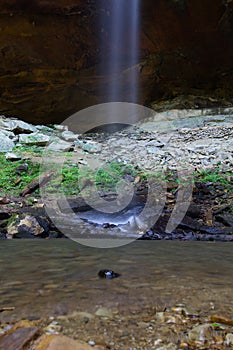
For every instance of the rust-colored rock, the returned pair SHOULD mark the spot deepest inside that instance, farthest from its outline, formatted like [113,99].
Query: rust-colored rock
[50,54]
[18,339]
[60,342]
[221,319]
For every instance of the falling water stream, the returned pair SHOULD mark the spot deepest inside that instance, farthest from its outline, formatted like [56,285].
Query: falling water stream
[119,41]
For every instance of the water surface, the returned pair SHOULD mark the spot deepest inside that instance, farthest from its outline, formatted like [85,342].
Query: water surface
[53,277]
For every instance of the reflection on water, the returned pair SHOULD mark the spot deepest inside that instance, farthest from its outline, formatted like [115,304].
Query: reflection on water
[60,276]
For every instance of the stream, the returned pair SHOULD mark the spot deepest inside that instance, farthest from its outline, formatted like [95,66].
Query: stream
[56,277]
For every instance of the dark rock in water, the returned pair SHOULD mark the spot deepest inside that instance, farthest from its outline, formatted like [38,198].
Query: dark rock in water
[108,274]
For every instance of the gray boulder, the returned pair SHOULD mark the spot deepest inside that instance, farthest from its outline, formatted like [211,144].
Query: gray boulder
[36,138]
[6,144]
[58,145]
[17,126]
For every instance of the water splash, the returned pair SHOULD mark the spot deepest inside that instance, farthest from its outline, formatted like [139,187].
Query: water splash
[119,41]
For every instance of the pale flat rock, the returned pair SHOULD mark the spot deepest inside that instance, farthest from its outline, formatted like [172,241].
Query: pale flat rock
[6,144]
[60,342]
[17,126]
[36,138]
[7,133]
[104,312]
[69,136]
[89,146]
[13,156]
[60,127]
[58,145]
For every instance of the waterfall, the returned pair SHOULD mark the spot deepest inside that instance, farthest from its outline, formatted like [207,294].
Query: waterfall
[119,43]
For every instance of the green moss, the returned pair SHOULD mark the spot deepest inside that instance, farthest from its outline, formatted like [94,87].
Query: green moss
[10,181]
[215,176]
[72,177]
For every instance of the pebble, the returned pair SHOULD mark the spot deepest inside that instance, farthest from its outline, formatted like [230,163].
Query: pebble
[13,156]
[229,339]
[60,342]
[91,342]
[202,333]
[104,312]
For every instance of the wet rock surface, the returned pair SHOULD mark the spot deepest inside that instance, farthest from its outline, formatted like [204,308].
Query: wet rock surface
[108,274]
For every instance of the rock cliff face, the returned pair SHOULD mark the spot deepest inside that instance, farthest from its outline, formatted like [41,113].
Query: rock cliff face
[51,54]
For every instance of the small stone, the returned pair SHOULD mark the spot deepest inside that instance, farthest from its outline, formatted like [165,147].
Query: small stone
[69,135]
[191,313]
[177,310]
[161,317]
[13,156]
[22,168]
[183,346]
[169,346]
[108,274]
[153,150]
[158,341]
[229,339]
[90,147]
[201,333]
[91,342]
[104,312]
[58,145]
[44,129]
[60,127]
[53,328]
[60,342]
[154,143]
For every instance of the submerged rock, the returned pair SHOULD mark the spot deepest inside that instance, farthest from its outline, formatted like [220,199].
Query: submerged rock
[108,274]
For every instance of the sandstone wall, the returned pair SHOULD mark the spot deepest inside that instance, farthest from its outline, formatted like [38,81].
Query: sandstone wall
[50,54]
